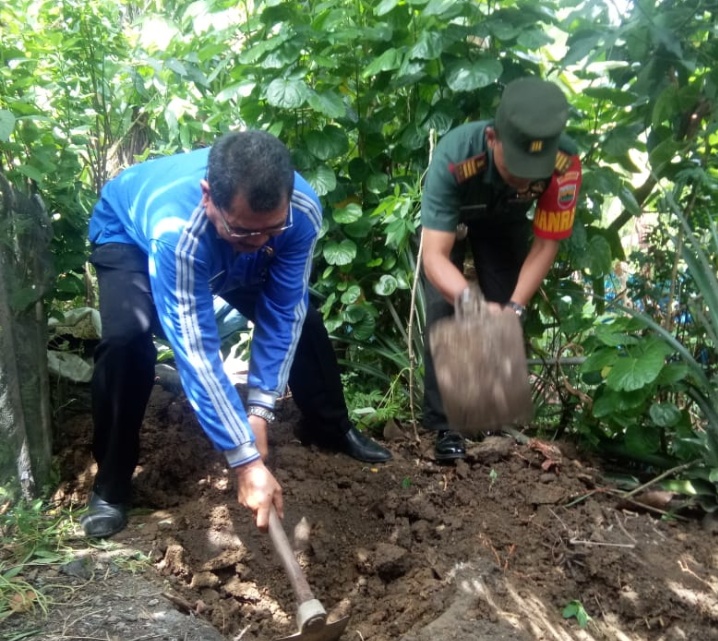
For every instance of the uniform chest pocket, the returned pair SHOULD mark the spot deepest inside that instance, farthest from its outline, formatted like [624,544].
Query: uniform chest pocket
[503,210]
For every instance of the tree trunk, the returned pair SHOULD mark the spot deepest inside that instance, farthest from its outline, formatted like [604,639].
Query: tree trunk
[25,277]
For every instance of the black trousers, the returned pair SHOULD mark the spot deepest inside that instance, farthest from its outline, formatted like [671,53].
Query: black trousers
[498,252]
[124,371]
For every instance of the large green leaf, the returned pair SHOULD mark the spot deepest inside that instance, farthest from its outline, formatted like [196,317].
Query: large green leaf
[388,61]
[628,199]
[612,403]
[328,102]
[342,253]
[600,360]
[31,172]
[582,45]
[534,39]
[259,49]
[428,47]
[385,6]
[330,142]
[464,75]
[377,183]
[412,137]
[362,321]
[386,286]
[665,414]
[613,335]
[597,260]
[673,373]
[638,368]
[7,124]
[236,90]
[504,29]
[322,179]
[349,214]
[359,229]
[445,9]
[621,139]
[613,95]
[410,73]
[664,153]
[642,440]
[287,93]
[439,120]
[351,295]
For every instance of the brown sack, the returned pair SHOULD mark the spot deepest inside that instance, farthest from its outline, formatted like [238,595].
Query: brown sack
[480,365]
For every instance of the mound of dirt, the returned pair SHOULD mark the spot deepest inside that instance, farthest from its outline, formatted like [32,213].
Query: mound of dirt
[495,547]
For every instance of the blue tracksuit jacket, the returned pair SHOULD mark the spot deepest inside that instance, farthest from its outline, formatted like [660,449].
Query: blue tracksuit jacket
[156,206]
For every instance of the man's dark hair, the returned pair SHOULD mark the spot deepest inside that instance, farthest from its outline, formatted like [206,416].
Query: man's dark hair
[254,164]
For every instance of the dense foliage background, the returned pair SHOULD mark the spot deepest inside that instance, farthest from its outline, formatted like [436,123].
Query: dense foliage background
[360,91]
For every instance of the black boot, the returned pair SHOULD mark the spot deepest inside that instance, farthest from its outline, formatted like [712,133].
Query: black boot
[352,442]
[449,446]
[103,519]
[360,447]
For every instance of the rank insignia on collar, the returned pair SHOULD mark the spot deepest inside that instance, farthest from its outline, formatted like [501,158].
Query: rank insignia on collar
[468,168]
[563,162]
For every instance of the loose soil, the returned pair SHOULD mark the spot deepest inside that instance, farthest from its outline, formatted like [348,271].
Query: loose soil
[492,548]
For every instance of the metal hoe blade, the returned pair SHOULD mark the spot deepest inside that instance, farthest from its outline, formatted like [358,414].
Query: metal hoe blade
[325,632]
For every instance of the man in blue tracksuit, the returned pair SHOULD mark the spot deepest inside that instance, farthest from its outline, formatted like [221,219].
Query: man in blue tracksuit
[236,221]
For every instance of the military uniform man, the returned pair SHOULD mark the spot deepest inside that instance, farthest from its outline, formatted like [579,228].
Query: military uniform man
[484,181]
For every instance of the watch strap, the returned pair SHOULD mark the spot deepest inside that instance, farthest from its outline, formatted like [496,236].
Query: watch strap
[518,308]
[267,414]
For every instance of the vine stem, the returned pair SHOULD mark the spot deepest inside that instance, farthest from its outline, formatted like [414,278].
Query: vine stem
[412,307]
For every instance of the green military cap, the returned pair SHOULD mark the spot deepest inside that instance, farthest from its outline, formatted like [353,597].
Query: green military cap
[529,121]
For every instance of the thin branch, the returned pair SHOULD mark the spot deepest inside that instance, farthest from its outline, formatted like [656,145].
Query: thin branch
[660,477]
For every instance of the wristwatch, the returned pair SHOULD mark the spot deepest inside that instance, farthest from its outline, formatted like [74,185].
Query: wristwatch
[262,412]
[518,308]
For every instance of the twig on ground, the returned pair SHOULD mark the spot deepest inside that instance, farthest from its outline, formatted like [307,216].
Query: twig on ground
[556,516]
[179,602]
[643,506]
[582,498]
[67,626]
[602,544]
[624,530]
[684,568]
[660,477]
[600,607]
[659,533]
[626,497]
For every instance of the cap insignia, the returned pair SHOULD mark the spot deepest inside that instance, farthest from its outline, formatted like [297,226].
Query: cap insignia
[536,146]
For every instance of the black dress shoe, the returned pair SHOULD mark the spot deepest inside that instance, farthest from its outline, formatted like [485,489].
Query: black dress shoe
[362,448]
[103,519]
[449,446]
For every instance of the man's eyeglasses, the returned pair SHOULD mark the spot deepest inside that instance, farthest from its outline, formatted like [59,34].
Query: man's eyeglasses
[239,233]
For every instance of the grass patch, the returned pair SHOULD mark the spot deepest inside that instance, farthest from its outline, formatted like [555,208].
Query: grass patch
[32,534]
